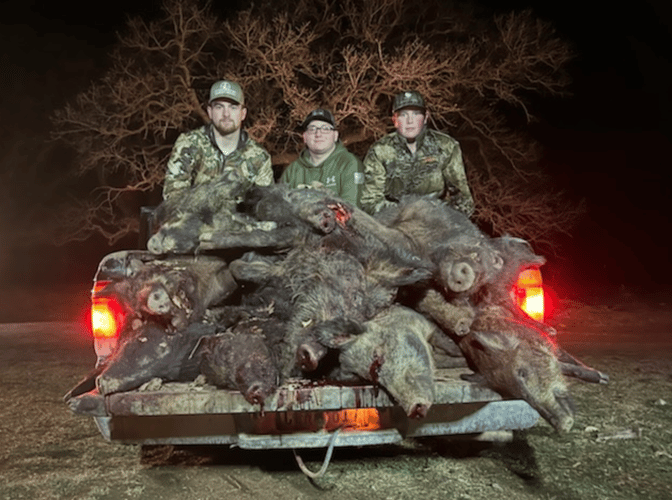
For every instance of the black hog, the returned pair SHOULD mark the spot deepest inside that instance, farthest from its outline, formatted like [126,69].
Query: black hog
[243,357]
[150,352]
[464,255]
[312,216]
[185,219]
[323,284]
[287,218]
[390,350]
[517,360]
[174,291]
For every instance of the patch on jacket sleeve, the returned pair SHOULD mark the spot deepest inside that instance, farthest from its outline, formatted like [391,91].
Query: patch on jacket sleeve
[359,177]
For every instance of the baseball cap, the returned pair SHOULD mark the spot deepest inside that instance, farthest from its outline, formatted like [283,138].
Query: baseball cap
[410,98]
[224,89]
[319,114]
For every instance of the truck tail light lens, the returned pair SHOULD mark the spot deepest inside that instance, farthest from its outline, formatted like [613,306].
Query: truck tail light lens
[103,318]
[107,318]
[529,293]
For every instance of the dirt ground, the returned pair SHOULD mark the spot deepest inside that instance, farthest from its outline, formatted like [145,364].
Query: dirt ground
[620,446]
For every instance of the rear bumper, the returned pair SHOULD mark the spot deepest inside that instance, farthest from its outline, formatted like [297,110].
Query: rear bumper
[299,415]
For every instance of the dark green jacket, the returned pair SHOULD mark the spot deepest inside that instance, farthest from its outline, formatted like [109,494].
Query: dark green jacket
[342,172]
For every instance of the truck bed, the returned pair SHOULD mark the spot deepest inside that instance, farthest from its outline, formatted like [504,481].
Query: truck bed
[301,414]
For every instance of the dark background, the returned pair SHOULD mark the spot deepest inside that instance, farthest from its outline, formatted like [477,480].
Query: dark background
[608,142]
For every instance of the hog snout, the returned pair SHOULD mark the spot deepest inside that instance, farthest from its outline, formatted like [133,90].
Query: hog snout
[255,394]
[460,277]
[309,355]
[155,244]
[418,410]
[327,221]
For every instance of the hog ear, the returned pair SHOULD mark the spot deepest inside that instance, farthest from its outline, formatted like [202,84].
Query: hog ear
[255,272]
[495,341]
[338,332]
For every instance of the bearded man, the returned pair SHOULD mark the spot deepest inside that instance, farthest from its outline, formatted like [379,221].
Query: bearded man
[220,150]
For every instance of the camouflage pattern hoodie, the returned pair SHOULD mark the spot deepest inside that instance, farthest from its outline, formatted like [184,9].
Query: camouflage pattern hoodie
[342,172]
[197,159]
[436,168]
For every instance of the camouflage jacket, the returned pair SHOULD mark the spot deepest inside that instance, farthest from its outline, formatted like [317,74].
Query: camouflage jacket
[342,172]
[436,168]
[196,159]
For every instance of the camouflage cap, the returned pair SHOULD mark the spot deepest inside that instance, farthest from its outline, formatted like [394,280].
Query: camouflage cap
[224,89]
[411,98]
[319,114]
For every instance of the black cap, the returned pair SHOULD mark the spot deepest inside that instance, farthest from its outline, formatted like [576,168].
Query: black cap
[408,99]
[319,114]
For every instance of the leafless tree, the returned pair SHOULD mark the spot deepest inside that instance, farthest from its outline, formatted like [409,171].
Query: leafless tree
[475,69]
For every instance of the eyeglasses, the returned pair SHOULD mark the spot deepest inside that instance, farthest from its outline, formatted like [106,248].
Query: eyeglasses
[315,130]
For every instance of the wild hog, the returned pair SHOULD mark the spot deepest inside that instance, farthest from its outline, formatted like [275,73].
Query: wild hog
[173,291]
[391,351]
[242,358]
[151,353]
[287,218]
[185,219]
[464,255]
[324,283]
[517,360]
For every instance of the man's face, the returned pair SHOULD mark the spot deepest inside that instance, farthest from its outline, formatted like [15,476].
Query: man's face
[320,137]
[227,116]
[409,122]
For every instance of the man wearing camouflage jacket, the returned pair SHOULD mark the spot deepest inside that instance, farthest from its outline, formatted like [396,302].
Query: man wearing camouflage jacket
[414,160]
[220,150]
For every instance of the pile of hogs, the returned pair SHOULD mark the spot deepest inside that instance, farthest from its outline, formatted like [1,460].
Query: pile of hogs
[299,283]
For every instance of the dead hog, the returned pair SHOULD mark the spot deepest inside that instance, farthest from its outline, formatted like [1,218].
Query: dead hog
[517,360]
[463,254]
[323,284]
[287,217]
[243,358]
[173,291]
[150,352]
[314,217]
[391,350]
[185,219]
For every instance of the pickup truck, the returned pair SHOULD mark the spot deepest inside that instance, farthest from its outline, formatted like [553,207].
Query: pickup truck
[301,414]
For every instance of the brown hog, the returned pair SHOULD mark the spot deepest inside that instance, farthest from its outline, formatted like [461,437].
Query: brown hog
[519,361]
[392,351]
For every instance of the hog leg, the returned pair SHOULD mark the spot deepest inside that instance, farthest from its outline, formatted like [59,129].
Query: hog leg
[572,367]
[456,319]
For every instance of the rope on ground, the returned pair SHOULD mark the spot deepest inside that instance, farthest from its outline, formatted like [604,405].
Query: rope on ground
[323,469]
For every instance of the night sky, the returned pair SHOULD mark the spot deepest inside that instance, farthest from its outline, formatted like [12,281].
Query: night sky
[608,143]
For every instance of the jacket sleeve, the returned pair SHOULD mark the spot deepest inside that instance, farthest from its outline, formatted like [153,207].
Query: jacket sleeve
[458,194]
[181,164]
[373,189]
[264,175]
[352,180]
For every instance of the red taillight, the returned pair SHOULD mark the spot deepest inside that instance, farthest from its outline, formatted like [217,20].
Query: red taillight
[103,318]
[107,317]
[529,293]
